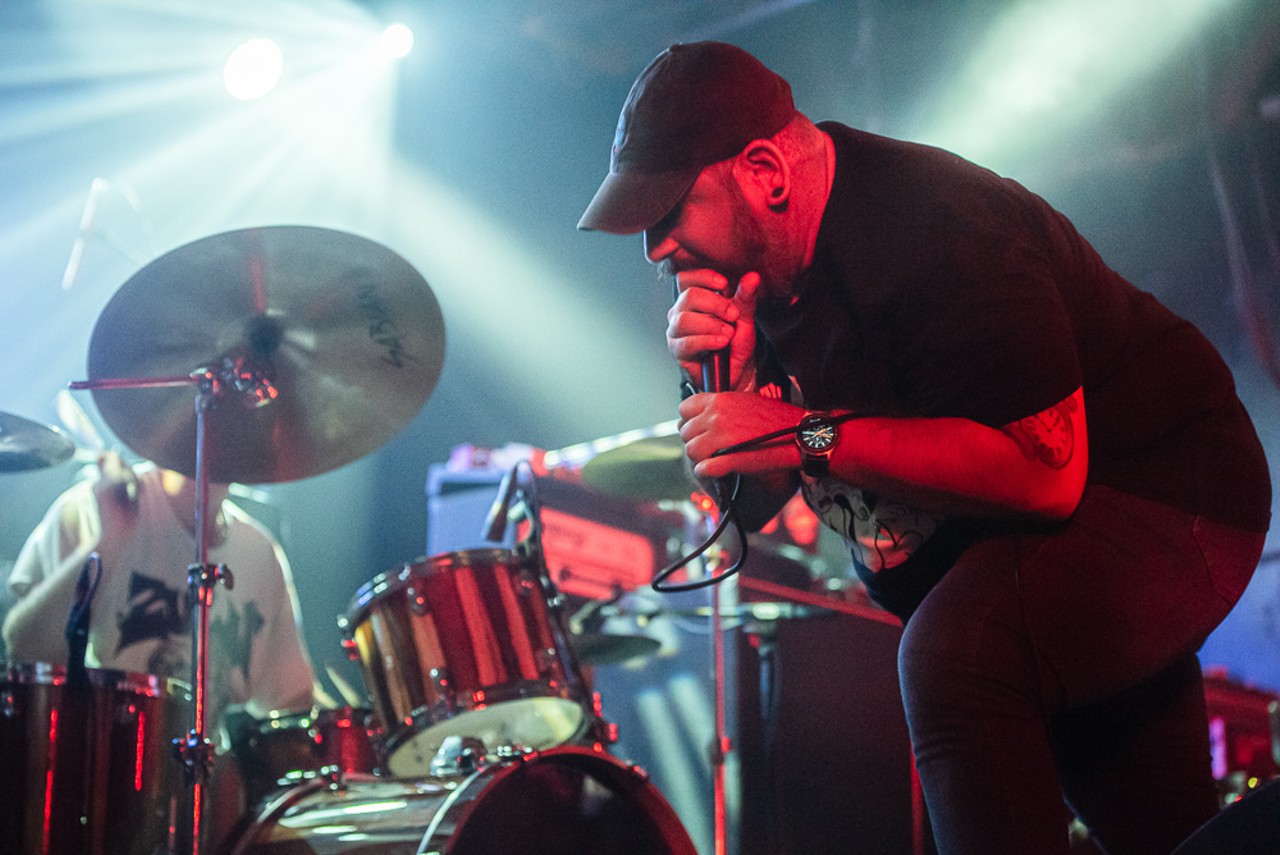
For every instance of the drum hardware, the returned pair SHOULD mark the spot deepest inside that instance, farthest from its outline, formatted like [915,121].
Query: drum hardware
[457,755]
[26,445]
[330,343]
[653,468]
[195,749]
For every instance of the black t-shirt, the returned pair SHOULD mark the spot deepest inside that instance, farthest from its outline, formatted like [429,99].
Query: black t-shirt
[939,288]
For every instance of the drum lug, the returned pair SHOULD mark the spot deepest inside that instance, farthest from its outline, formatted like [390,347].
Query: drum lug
[528,584]
[352,649]
[548,659]
[509,752]
[440,679]
[417,602]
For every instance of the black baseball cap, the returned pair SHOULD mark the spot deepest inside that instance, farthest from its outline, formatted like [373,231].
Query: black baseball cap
[696,104]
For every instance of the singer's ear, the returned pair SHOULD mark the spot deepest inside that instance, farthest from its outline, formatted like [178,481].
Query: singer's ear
[764,174]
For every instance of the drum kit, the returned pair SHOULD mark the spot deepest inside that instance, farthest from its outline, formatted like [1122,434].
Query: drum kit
[313,348]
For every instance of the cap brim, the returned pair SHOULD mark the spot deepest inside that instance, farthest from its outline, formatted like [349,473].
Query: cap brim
[627,203]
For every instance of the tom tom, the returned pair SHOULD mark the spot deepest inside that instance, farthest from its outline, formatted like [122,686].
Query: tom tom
[91,769]
[566,801]
[279,750]
[468,643]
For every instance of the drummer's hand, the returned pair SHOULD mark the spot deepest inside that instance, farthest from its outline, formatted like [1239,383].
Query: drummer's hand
[116,478]
[711,422]
[704,319]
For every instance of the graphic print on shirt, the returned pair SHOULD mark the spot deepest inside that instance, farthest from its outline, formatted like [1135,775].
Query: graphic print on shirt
[233,634]
[881,533]
[158,613]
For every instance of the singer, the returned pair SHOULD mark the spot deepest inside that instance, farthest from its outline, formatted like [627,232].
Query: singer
[915,342]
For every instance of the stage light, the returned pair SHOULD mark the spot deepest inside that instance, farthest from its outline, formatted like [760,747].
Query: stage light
[253,69]
[395,42]
[1044,67]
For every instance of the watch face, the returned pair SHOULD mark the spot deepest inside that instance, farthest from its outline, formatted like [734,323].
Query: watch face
[819,437]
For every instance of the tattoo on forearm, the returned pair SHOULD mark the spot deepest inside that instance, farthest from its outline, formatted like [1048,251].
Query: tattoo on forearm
[1047,436]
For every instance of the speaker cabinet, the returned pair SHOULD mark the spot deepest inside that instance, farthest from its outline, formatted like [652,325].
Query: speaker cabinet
[825,757]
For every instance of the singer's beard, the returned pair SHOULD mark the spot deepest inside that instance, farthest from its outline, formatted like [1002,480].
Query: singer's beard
[752,247]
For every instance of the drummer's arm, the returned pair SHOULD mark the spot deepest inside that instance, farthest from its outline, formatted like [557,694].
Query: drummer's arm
[45,575]
[44,578]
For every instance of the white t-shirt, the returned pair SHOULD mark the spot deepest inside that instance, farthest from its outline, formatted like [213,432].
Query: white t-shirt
[140,618]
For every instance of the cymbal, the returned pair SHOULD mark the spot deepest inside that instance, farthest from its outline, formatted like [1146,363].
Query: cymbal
[646,470]
[26,445]
[600,648]
[345,336]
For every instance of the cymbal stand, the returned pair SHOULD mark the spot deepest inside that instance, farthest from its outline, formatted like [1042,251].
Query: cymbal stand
[202,577]
[194,749]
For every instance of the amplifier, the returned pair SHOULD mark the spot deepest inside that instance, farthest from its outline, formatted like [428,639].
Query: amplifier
[594,545]
[1244,734]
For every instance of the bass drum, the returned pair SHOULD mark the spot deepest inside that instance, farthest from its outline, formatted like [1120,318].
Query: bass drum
[565,801]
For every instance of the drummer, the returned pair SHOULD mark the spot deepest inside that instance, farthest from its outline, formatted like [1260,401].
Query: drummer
[141,522]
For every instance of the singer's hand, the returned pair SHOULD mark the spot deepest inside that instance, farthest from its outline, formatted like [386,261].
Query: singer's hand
[711,422]
[705,319]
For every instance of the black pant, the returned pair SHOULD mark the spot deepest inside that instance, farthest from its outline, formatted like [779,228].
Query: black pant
[1064,663]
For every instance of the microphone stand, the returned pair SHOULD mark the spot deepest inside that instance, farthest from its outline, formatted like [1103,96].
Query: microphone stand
[721,743]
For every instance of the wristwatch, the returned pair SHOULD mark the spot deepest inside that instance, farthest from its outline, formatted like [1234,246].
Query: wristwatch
[817,435]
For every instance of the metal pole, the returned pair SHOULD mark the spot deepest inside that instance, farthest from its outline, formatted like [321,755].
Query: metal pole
[721,746]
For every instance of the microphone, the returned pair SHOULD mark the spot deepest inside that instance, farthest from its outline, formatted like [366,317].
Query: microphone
[96,189]
[495,524]
[715,371]
[715,364]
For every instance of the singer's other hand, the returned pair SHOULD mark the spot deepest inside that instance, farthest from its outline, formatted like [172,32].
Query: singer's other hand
[704,319]
[711,422]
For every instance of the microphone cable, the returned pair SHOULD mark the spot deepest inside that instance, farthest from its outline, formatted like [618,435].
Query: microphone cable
[728,516]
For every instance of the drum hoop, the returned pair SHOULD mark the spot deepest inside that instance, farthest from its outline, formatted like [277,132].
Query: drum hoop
[399,577]
[446,807]
[146,685]
[626,775]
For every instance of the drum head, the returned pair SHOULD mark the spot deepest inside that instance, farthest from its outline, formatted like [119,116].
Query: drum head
[531,723]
